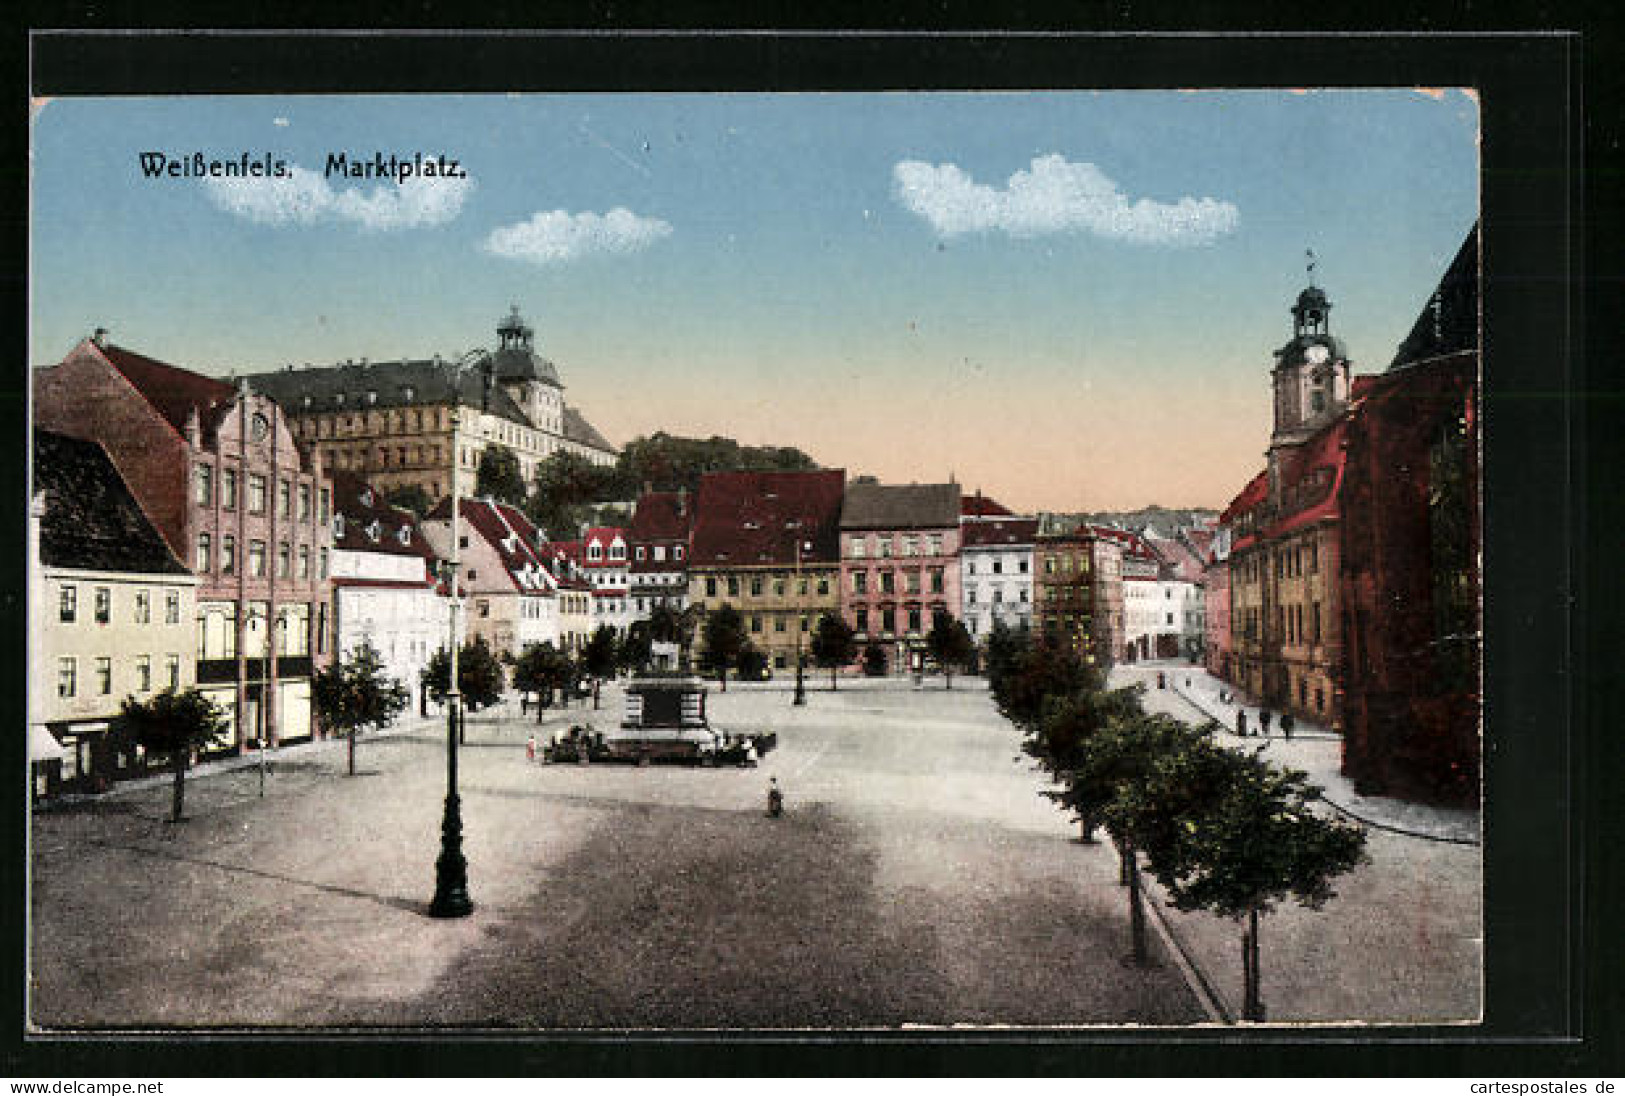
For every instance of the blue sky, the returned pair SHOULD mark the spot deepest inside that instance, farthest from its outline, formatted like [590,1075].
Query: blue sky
[1067,299]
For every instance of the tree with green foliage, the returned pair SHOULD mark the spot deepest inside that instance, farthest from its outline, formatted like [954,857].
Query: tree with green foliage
[1004,647]
[1043,666]
[410,496]
[667,463]
[499,476]
[540,669]
[724,637]
[950,644]
[751,662]
[874,659]
[1227,832]
[1058,738]
[566,486]
[355,693]
[665,624]
[598,658]
[833,644]
[635,648]
[480,677]
[172,724]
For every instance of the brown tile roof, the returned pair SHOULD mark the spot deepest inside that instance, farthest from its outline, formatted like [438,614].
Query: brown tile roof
[911,506]
[92,521]
[744,519]
[171,390]
[999,533]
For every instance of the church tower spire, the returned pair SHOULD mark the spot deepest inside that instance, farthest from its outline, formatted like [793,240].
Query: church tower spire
[1311,374]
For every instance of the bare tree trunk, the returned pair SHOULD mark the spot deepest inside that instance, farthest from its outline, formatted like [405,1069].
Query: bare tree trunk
[352,751]
[178,807]
[1136,910]
[595,693]
[1253,997]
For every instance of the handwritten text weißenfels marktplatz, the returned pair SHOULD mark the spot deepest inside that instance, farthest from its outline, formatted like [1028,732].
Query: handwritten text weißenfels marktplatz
[397,168]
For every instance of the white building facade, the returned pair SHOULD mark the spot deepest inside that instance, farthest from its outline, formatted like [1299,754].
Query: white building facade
[996,574]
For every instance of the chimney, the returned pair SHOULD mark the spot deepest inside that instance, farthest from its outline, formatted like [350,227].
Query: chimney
[99,336]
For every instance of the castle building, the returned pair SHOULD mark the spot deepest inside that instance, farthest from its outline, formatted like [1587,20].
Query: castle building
[391,423]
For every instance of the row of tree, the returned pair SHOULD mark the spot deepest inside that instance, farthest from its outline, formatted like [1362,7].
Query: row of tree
[1221,830]
[568,488]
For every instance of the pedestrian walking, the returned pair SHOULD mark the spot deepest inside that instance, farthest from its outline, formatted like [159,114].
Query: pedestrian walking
[1241,723]
[1264,719]
[1287,724]
[775,798]
[530,748]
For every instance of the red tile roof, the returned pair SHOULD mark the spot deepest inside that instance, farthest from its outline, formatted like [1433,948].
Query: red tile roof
[1257,489]
[980,506]
[513,538]
[171,390]
[364,511]
[660,515]
[999,533]
[1325,453]
[744,519]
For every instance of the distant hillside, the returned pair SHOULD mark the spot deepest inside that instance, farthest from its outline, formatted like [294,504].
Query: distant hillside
[1166,520]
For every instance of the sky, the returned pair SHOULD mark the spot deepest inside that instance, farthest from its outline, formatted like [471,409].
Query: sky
[1067,300]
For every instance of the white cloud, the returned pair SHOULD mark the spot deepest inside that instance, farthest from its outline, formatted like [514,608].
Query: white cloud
[1054,195]
[305,198]
[558,236]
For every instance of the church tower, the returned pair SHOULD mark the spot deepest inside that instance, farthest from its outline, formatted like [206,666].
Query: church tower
[530,379]
[1311,374]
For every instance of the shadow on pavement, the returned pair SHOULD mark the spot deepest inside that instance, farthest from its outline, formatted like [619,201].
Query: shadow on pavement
[408,904]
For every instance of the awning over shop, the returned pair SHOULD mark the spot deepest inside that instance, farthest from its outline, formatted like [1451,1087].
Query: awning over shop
[43,746]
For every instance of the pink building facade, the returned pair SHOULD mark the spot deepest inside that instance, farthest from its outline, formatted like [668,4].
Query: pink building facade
[899,565]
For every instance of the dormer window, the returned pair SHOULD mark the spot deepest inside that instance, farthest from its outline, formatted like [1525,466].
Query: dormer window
[595,552]
[338,526]
[640,554]
[405,535]
[366,497]
[372,397]
[408,392]
[374,531]
[677,553]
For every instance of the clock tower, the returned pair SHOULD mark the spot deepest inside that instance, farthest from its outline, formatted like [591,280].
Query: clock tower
[1311,374]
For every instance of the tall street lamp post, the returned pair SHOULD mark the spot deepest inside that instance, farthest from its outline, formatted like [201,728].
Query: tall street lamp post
[801,690]
[451,869]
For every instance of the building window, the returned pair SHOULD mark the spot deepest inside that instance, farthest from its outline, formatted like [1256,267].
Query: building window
[823,587]
[172,663]
[304,502]
[172,606]
[911,582]
[228,488]
[885,547]
[778,624]
[855,547]
[304,561]
[256,559]
[756,586]
[205,485]
[228,554]
[143,607]
[677,552]
[67,678]
[1021,566]
[326,501]
[104,605]
[284,498]
[324,562]
[863,621]
[205,553]
[710,586]
[860,582]
[733,585]
[936,580]
[104,676]
[284,560]
[936,544]
[68,604]
[778,587]
[256,493]
[755,622]
[143,673]
[911,545]
[913,620]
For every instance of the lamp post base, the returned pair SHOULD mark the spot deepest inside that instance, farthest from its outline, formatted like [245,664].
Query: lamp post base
[451,869]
